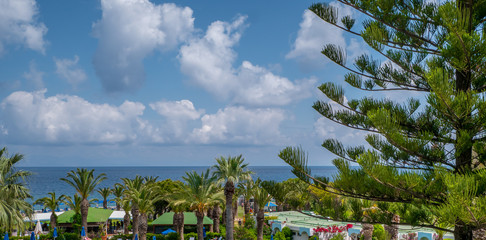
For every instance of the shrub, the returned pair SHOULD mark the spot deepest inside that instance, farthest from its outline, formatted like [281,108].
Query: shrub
[172,236]
[69,236]
[189,235]
[279,236]
[314,237]
[249,221]
[287,232]
[212,235]
[150,236]
[379,232]
[123,236]
[242,233]
[337,237]
[266,229]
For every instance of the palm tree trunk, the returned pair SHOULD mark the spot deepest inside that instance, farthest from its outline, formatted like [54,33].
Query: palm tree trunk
[246,205]
[118,207]
[260,219]
[178,221]
[255,208]
[84,214]
[126,222]
[280,206]
[143,226]
[229,190]
[105,203]
[367,231]
[53,220]
[200,219]
[392,229]
[135,214]
[210,215]
[216,214]
[235,210]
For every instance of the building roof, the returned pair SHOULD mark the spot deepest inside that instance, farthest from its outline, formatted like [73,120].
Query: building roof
[95,215]
[40,217]
[189,219]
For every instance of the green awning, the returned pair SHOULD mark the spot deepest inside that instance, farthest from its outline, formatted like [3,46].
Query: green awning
[95,215]
[189,219]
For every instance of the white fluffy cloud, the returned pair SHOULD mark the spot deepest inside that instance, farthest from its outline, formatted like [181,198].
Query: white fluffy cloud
[69,70]
[130,30]
[179,118]
[314,33]
[209,60]
[19,25]
[30,117]
[241,125]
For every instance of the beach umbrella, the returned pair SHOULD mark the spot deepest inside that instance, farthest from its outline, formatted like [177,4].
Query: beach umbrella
[54,233]
[136,236]
[154,238]
[6,236]
[83,232]
[168,231]
[271,237]
[38,228]
[32,236]
[270,204]
[204,232]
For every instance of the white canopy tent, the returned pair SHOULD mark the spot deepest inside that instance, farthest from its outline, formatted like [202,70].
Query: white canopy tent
[43,217]
[118,215]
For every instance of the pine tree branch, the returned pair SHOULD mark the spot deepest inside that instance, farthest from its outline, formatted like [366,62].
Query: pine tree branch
[388,24]
[363,222]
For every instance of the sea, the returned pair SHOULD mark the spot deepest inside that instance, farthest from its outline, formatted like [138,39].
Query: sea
[47,179]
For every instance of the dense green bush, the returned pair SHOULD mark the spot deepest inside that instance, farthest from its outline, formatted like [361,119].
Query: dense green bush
[379,232]
[150,236]
[69,236]
[189,235]
[314,237]
[337,237]
[242,233]
[287,232]
[172,236]
[249,221]
[279,236]
[212,235]
[123,236]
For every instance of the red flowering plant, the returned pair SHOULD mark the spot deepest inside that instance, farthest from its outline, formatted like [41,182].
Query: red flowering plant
[332,230]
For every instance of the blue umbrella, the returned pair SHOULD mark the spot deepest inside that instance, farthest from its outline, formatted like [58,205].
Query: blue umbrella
[168,231]
[270,204]
[204,232]
[32,236]
[83,232]
[271,237]
[54,233]
[6,236]
[136,236]
[154,238]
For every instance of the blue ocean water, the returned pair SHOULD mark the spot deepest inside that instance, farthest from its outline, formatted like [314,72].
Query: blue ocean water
[46,179]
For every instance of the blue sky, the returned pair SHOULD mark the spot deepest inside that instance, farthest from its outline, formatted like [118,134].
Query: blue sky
[138,82]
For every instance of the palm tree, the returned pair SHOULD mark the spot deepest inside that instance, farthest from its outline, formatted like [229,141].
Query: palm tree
[84,182]
[247,189]
[126,206]
[74,203]
[261,198]
[105,193]
[199,193]
[13,192]
[178,207]
[144,198]
[230,170]
[117,191]
[134,185]
[52,203]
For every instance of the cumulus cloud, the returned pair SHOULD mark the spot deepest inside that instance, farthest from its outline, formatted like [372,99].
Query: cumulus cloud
[128,31]
[314,33]
[69,70]
[19,25]
[241,125]
[209,62]
[179,117]
[31,117]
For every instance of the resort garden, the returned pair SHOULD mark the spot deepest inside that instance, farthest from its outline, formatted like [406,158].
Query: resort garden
[422,164]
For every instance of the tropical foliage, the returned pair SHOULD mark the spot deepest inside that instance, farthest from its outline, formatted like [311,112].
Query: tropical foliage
[230,171]
[427,151]
[84,182]
[52,203]
[13,192]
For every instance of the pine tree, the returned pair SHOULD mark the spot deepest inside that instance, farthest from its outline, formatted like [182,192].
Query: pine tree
[428,152]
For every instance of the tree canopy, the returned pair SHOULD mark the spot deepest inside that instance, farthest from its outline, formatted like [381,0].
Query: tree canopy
[426,151]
